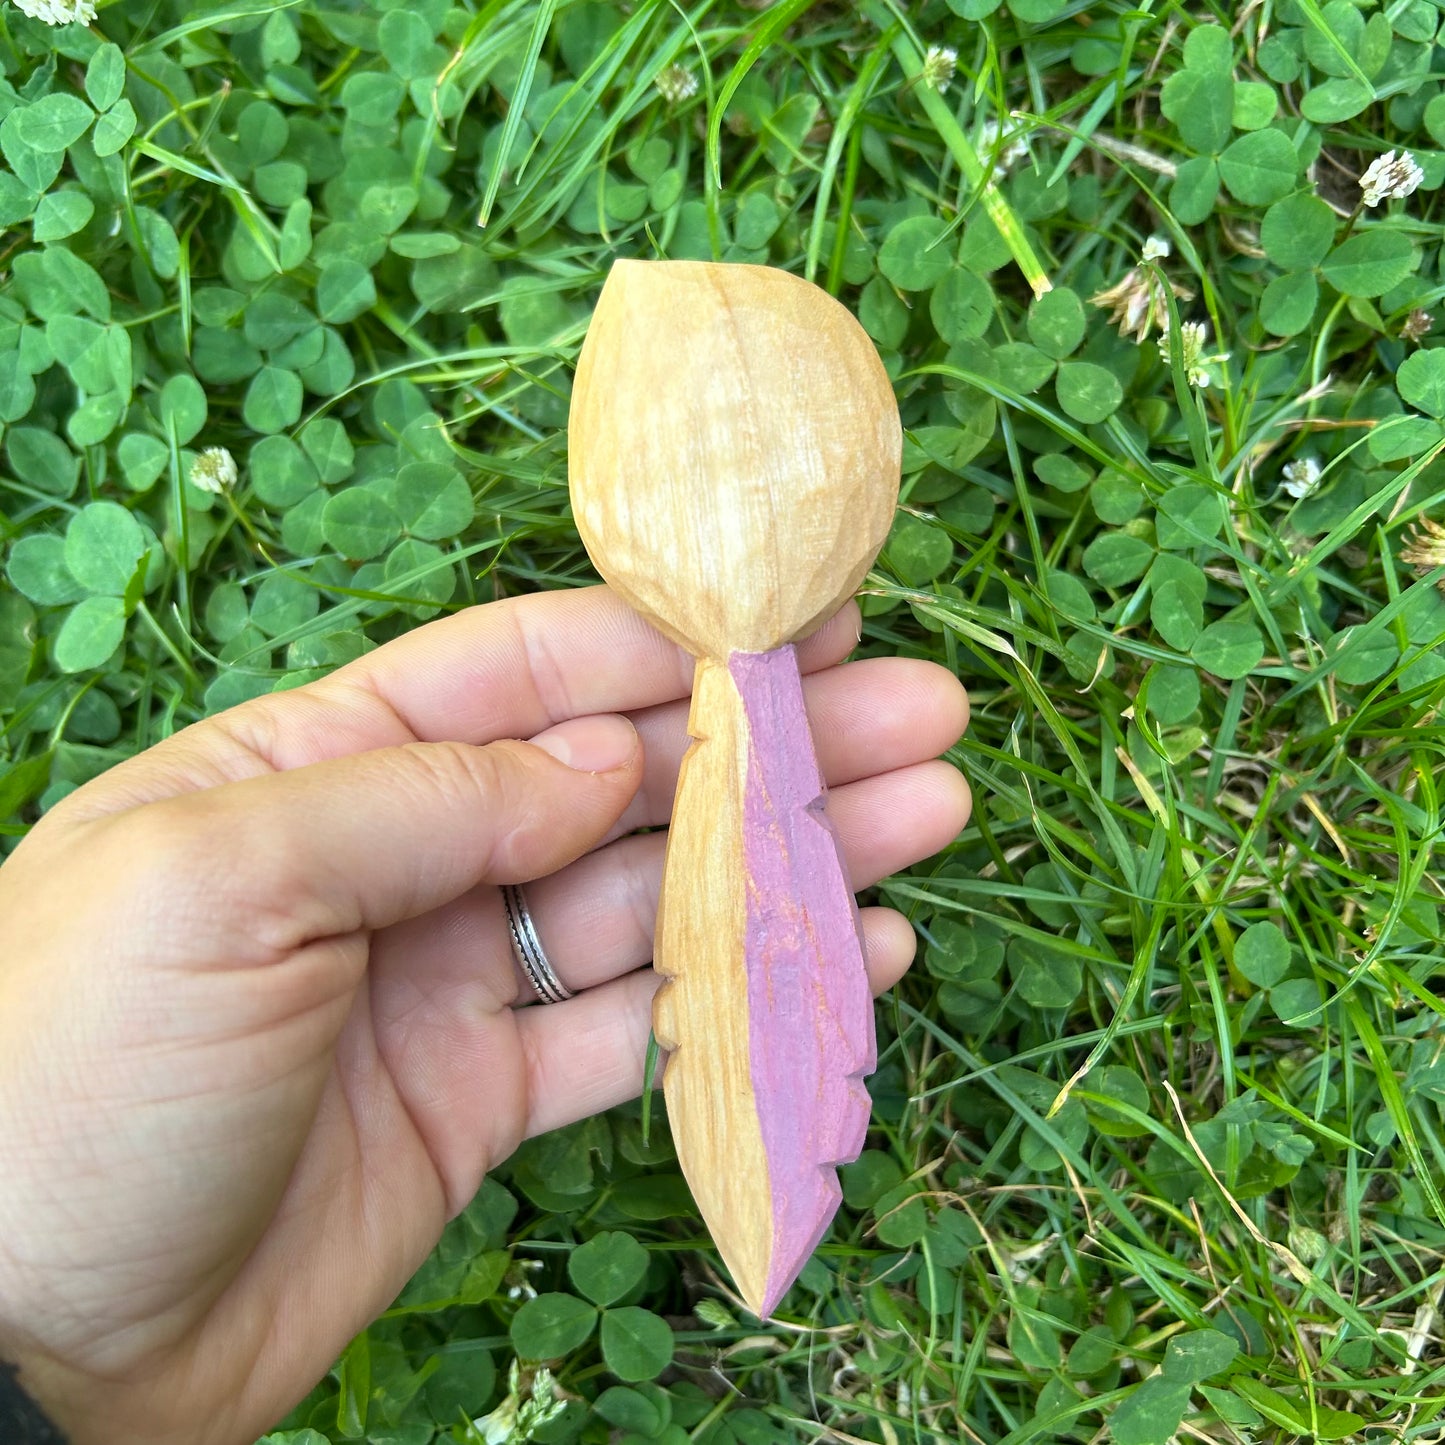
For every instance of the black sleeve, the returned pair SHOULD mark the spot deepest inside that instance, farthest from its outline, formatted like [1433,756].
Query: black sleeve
[22,1421]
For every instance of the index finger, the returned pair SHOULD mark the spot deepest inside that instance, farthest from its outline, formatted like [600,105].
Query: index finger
[512,668]
[508,669]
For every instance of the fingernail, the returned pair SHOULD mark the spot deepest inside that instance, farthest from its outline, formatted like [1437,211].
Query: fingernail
[590,744]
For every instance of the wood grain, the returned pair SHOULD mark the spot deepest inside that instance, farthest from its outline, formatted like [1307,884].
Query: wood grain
[766,1013]
[734,464]
[701,1014]
[734,450]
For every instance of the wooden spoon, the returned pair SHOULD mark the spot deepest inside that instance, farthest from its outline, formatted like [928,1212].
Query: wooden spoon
[734,469]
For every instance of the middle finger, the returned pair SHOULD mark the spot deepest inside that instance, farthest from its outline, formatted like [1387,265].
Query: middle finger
[866,718]
[595,918]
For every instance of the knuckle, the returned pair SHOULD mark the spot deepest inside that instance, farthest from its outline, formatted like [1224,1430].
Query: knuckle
[441,771]
[490,782]
[640,888]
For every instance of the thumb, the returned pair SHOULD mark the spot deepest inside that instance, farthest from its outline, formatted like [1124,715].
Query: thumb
[367,840]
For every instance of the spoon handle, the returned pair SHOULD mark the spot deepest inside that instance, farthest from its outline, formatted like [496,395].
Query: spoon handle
[768,1014]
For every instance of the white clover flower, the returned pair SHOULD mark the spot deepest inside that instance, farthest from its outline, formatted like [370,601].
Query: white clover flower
[516,1420]
[1193,337]
[214,471]
[544,1395]
[500,1426]
[676,83]
[1389,176]
[1416,325]
[1425,545]
[939,65]
[1007,140]
[1138,304]
[518,1285]
[1302,477]
[59,12]
[1130,304]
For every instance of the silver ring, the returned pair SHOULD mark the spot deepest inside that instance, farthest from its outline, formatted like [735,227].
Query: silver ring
[528,948]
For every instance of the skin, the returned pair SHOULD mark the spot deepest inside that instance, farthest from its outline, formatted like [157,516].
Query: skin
[261,1030]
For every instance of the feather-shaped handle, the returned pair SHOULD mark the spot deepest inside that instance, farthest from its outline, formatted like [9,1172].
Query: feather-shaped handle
[768,1013]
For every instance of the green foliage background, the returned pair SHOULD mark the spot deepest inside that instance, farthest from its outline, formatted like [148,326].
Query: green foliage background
[1157,1137]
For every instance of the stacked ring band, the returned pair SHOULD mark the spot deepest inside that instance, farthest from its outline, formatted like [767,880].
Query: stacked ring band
[528,948]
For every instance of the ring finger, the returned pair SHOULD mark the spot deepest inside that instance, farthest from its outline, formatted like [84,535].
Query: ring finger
[594,919]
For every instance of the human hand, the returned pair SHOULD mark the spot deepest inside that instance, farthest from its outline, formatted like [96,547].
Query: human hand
[260,1033]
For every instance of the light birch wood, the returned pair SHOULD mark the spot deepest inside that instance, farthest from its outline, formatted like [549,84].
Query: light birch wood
[701,1015]
[734,451]
[734,461]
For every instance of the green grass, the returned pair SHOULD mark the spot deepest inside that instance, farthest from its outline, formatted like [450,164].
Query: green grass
[1158,1138]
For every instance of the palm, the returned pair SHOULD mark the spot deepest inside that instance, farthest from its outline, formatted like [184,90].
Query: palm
[310,1051]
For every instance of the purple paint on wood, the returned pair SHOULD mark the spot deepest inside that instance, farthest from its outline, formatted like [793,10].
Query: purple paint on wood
[810,1011]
